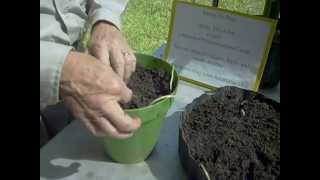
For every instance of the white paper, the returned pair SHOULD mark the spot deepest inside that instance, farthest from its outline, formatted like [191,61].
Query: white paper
[216,47]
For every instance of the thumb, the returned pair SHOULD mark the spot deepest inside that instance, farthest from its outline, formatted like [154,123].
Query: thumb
[101,52]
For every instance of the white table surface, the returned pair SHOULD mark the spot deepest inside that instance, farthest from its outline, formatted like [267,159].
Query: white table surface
[76,155]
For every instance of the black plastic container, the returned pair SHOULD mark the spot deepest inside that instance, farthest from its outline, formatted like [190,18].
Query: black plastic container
[192,168]
[271,75]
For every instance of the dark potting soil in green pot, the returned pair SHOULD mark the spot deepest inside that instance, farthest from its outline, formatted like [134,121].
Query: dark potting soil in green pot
[150,81]
[147,85]
[234,134]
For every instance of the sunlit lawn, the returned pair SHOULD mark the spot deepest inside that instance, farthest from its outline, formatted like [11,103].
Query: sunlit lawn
[145,23]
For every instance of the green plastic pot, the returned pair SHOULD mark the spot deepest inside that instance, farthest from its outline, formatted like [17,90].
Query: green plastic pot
[138,147]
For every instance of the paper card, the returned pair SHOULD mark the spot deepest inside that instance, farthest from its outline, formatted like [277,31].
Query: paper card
[214,47]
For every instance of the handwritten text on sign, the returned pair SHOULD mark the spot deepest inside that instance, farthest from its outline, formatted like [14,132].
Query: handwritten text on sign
[217,47]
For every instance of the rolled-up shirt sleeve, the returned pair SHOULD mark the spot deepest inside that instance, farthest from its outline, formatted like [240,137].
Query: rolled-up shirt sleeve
[54,47]
[107,10]
[52,58]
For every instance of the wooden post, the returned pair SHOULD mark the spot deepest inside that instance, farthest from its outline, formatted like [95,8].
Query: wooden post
[215,3]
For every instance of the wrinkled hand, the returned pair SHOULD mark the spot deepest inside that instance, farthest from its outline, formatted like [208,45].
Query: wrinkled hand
[92,92]
[108,45]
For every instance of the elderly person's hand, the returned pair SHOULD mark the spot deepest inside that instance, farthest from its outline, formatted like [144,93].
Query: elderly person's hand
[108,45]
[92,91]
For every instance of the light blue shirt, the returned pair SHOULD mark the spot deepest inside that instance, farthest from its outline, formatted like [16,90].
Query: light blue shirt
[61,25]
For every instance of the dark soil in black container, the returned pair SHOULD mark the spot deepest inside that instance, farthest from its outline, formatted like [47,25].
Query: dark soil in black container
[147,85]
[234,134]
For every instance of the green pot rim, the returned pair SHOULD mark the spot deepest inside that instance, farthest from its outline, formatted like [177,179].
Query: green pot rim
[172,93]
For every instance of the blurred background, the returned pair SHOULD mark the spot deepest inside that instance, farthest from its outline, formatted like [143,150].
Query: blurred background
[146,22]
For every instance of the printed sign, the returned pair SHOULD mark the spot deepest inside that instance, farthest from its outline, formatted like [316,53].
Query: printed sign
[216,47]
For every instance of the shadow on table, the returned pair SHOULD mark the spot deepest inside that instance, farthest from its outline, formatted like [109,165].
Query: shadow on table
[80,146]
[164,161]
[50,171]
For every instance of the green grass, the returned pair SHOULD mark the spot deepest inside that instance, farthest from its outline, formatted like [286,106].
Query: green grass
[145,23]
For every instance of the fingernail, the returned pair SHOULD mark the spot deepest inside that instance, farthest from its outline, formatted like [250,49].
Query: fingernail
[129,91]
[128,94]
[137,123]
